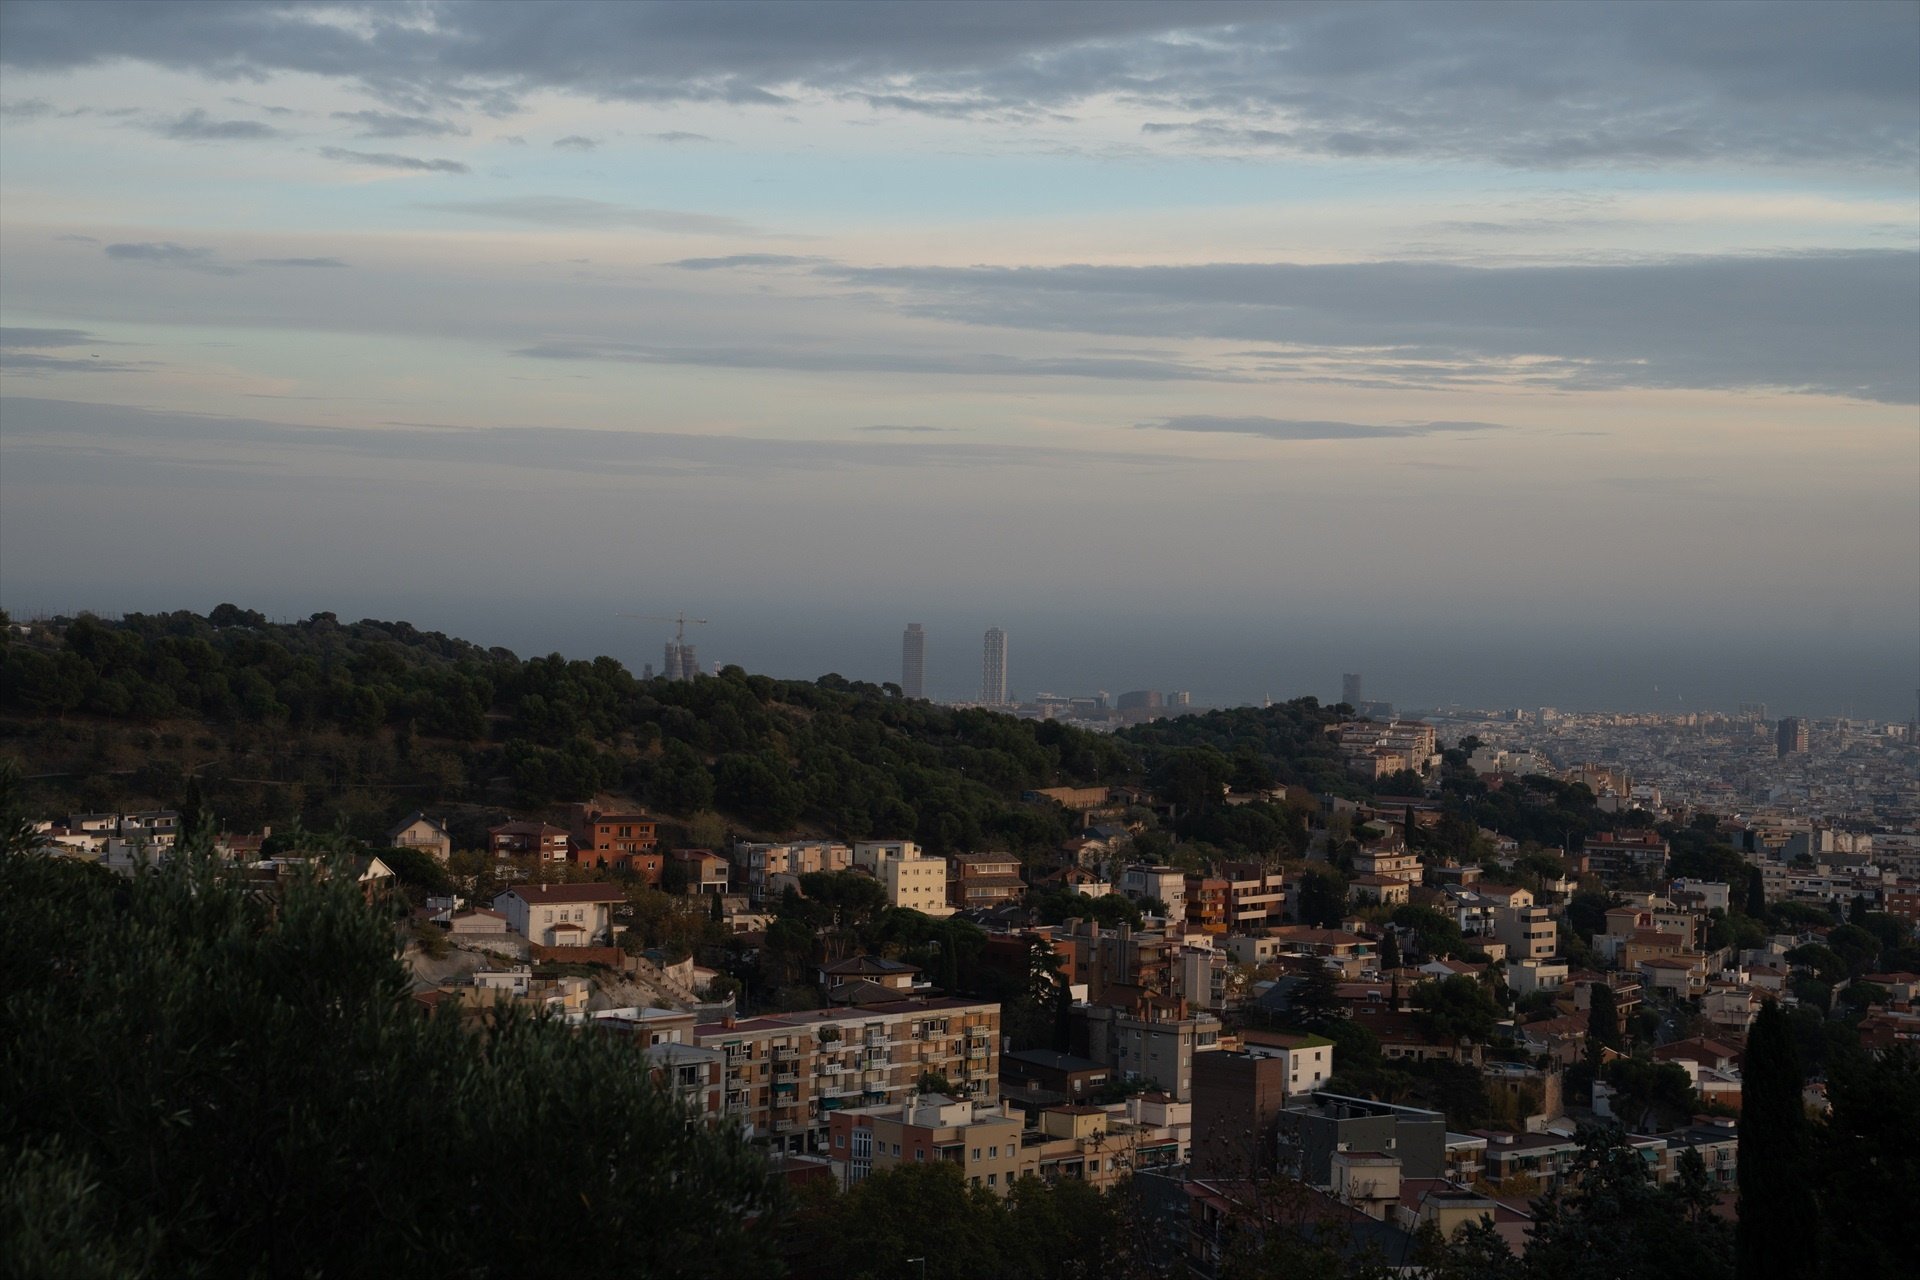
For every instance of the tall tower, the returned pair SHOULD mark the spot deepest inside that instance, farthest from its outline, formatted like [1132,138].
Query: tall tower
[1350,689]
[1791,737]
[913,661]
[993,668]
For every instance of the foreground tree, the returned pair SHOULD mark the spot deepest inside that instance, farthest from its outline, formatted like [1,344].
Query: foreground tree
[213,1082]
[1778,1213]
[1611,1221]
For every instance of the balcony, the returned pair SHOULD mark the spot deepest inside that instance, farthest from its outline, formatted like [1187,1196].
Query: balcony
[786,1055]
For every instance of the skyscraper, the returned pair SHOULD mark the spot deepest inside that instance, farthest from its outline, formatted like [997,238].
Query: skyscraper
[1791,739]
[1350,689]
[913,661]
[993,668]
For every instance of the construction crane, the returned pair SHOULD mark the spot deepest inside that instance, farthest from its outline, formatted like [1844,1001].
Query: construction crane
[679,621]
[681,661]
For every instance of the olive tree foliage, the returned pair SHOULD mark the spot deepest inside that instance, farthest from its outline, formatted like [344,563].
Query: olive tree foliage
[200,1079]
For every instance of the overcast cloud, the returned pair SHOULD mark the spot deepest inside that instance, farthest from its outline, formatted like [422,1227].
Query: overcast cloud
[1533,85]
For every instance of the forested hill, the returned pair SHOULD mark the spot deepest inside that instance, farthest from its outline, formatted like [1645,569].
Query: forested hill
[330,721]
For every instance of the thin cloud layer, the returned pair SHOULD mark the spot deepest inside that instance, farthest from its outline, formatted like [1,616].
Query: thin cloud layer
[198,126]
[393,160]
[396,124]
[1825,83]
[842,360]
[1842,324]
[31,351]
[63,428]
[165,253]
[583,214]
[1300,429]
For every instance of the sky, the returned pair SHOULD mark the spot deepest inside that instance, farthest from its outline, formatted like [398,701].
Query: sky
[1512,355]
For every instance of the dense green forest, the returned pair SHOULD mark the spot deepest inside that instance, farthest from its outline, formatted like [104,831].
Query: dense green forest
[348,724]
[327,721]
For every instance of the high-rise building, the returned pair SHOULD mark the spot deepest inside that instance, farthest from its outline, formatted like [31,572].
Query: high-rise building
[1350,689]
[913,661]
[1791,740]
[993,668]
[681,662]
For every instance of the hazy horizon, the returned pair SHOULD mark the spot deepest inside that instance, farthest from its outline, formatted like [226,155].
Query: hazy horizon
[1238,661]
[1511,355]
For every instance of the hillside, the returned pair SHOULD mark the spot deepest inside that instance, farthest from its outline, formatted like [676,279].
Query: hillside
[329,722]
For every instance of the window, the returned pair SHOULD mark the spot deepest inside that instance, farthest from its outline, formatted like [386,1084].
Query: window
[896,1148]
[920,1155]
[976,1153]
[993,1179]
[993,1153]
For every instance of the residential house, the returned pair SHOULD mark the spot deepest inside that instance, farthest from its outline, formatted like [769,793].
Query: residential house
[519,839]
[1377,889]
[868,980]
[561,915]
[418,831]
[706,871]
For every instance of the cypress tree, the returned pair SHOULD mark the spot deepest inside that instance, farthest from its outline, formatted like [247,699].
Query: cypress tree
[1603,1025]
[1756,895]
[1389,951]
[1779,1230]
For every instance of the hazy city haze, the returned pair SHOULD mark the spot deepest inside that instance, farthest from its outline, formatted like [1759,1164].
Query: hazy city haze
[1508,355]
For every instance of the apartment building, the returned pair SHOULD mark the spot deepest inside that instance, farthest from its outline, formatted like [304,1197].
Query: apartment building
[1255,899]
[756,864]
[1306,1061]
[1627,854]
[1154,1039]
[1377,749]
[1312,1128]
[624,841]
[984,1141]
[1208,979]
[1529,932]
[1207,903]
[1122,956]
[1389,859]
[1166,884]
[982,881]
[914,881]
[788,1073]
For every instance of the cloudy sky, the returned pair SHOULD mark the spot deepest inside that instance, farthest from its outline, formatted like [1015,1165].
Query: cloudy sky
[1512,354]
